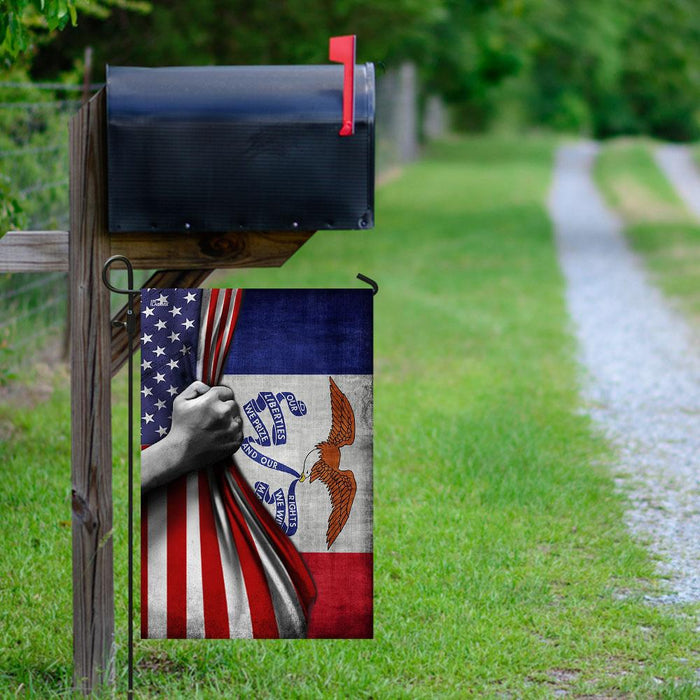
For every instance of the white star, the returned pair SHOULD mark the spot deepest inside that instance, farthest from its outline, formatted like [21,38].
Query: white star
[146,391]
[184,350]
[160,404]
[190,297]
[146,338]
[148,418]
[148,312]
[175,311]
[172,390]
[160,325]
[159,351]
[174,336]
[161,430]
[188,324]
[159,377]
[173,364]
[162,299]
[146,364]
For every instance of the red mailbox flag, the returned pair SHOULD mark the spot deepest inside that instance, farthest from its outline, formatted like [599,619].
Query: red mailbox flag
[342,50]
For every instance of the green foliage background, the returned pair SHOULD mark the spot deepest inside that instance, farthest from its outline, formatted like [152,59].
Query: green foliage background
[603,67]
[547,585]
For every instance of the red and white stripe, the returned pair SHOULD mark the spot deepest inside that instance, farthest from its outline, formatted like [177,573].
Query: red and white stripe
[220,314]
[214,563]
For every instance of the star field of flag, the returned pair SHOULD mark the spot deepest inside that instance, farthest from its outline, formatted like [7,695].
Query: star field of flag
[169,335]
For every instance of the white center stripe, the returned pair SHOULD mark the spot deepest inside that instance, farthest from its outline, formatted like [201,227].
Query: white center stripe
[195,605]
[157,506]
[240,624]
[291,622]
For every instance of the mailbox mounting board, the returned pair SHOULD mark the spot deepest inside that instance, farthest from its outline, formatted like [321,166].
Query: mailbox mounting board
[256,148]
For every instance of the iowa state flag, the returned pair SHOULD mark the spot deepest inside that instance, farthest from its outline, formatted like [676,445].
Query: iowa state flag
[277,541]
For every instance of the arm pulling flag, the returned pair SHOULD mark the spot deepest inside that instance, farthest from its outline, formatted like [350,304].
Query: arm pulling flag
[214,562]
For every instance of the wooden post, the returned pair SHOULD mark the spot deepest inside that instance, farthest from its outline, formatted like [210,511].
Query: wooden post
[87,73]
[91,457]
[95,355]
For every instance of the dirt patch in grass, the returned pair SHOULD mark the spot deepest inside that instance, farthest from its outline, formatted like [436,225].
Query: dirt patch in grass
[7,430]
[159,662]
[637,203]
[564,675]
[33,385]
[389,176]
[41,379]
[682,251]
[34,377]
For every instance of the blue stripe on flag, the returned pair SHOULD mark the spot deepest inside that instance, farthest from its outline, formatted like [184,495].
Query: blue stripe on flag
[303,331]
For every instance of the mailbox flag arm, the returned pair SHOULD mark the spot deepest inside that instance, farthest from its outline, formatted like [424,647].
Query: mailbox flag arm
[342,50]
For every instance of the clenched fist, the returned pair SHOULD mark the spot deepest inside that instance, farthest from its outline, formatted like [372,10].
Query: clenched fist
[206,428]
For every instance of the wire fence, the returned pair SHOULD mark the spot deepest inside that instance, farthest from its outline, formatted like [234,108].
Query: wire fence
[34,173]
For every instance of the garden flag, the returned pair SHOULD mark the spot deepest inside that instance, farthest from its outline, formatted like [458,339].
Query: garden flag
[274,541]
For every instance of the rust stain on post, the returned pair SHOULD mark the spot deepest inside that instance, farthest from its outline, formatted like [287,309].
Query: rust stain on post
[81,510]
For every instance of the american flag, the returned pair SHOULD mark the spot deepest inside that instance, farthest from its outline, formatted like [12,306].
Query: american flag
[214,562]
[169,340]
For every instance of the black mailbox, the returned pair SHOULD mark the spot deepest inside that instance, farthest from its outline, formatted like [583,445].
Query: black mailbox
[238,148]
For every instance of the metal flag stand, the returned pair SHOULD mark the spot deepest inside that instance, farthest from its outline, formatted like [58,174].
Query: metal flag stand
[130,326]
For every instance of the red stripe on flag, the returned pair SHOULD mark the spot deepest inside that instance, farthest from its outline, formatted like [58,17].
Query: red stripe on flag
[177,559]
[206,351]
[262,611]
[220,332]
[234,320]
[216,624]
[295,565]
[144,568]
[236,311]
[343,608]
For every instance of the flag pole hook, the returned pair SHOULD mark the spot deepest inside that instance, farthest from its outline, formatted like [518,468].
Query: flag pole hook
[130,326]
[370,282]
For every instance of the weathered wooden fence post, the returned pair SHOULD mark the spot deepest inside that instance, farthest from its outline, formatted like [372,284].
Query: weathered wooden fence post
[91,457]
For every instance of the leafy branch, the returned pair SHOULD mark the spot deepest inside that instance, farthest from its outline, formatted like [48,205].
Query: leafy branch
[24,21]
[20,20]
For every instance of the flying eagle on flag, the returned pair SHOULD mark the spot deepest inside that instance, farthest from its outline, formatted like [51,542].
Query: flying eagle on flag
[341,485]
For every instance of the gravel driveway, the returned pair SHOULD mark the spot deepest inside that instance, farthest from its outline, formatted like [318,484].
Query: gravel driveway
[642,374]
[677,164]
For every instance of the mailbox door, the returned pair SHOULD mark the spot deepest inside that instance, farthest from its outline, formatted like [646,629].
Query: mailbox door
[238,148]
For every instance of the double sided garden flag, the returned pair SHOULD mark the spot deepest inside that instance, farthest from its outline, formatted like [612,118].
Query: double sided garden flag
[277,540]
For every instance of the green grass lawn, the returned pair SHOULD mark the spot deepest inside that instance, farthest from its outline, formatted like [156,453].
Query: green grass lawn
[658,225]
[503,567]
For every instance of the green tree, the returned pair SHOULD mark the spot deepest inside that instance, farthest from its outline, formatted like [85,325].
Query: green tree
[21,20]
[24,23]
[575,65]
[660,77]
[245,32]
[602,67]
[473,47]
